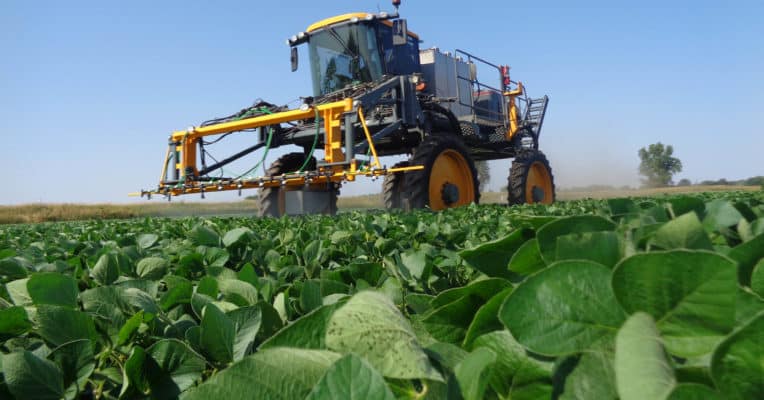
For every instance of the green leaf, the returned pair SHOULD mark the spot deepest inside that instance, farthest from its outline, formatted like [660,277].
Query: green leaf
[208,286]
[77,362]
[246,324]
[484,289]
[237,236]
[60,325]
[17,291]
[416,263]
[146,240]
[238,292]
[13,322]
[486,319]
[721,214]
[492,258]
[139,372]
[175,358]
[684,232]
[683,204]
[217,334]
[548,234]
[563,309]
[11,268]
[515,374]
[601,247]
[370,325]
[202,235]
[737,366]
[179,291]
[310,295]
[593,377]
[693,391]
[29,377]
[691,294]
[472,373]
[747,255]
[277,373]
[106,270]
[307,332]
[152,267]
[350,378]
[757,278]
[642,370]
[527,259]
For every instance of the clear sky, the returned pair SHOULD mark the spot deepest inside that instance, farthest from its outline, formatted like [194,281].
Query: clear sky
[90,90]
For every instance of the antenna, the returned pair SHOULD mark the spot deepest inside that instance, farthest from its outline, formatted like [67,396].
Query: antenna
[396,4]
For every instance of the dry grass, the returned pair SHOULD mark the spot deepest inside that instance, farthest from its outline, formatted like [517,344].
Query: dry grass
[34,213]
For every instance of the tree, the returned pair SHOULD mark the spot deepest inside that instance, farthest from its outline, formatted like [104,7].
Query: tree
[657,165]
[684,182]
[484,174]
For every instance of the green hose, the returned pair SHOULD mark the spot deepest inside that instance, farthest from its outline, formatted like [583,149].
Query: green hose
[313,147]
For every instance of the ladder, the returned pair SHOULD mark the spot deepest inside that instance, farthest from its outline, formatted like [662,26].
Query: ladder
[534,114]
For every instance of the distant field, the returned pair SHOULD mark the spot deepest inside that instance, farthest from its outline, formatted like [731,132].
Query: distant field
[33,213]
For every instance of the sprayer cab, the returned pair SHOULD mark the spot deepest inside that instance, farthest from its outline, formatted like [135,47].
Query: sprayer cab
[357,48]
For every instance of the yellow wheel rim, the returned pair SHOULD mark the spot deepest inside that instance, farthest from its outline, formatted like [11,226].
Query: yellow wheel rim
[538,185]
[451,181]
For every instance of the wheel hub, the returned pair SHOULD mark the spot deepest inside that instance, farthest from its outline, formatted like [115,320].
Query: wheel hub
[538,194]
[449,193]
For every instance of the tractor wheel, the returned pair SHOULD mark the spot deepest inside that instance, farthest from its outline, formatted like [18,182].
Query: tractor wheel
[530,179]
[392,188]
[272,199]
[449,178]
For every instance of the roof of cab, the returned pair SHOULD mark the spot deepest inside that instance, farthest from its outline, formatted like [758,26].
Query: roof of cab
[347,17]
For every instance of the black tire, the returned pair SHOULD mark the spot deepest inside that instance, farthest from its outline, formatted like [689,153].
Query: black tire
[530,163]
[272,199]
[417,183]
[392,188]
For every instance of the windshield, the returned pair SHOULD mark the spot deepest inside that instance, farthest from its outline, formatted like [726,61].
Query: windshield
[343,56]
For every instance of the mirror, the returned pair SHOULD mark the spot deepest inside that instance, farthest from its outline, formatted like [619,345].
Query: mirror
[293,58]
[400,32]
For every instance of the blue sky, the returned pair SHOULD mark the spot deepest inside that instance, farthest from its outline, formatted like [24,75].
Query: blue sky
[90,90]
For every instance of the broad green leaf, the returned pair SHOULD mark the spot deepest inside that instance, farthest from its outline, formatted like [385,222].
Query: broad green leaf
[721,214]
[621,207]
[236,237]
[204,236]
[684,232]
[415,262]
[277,373]
[310,295]
[484,289]
[217,334]
[747,255]
[29,377]
[131,326]
[152,267]
[246,323]
[486,319]
[757,278]
[593,377]
[527,259]
[691,295]
[307,332]
[179,291]
[11,268]
[473,373]
[182,364]
[77,362]
[60,325]
[351,378]
[17,290]
[492,258]
[208,286]
[238,292]
[13,322]
[642,369]
[737,366]
[601,247]
[146,240]
[563,309]
[548,234]
[370,326]
[106,270]
[693,391]
[139,372]
[683,204]
[449,323]
[515,374]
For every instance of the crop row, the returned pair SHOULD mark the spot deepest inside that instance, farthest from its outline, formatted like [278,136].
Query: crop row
[628,298]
